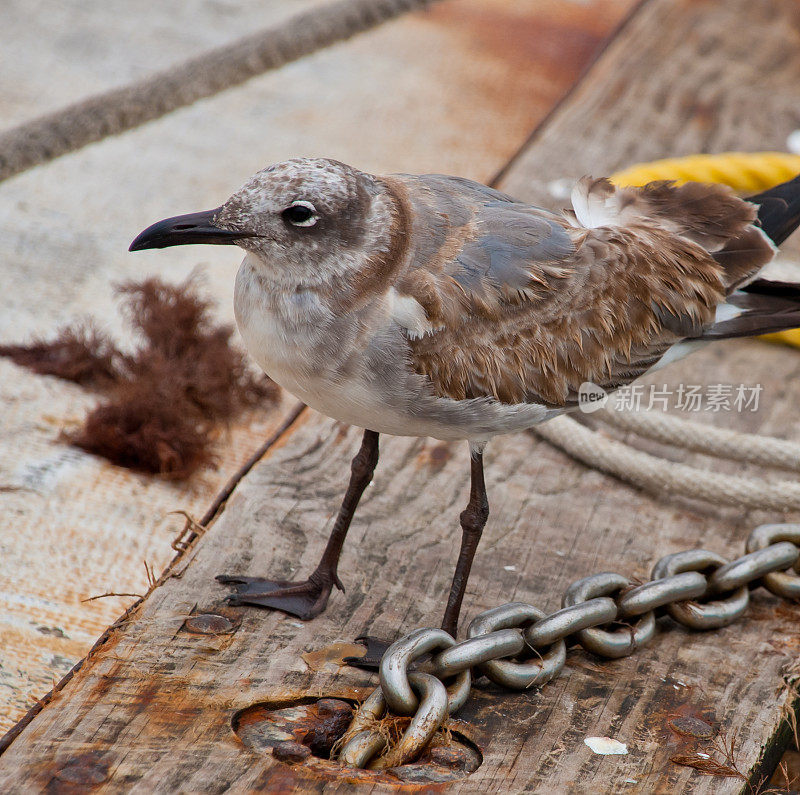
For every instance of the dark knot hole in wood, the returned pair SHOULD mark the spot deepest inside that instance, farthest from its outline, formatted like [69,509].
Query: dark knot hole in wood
[302,732]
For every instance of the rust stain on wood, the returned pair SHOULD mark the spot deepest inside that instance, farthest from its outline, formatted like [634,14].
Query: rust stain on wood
[334,654]
[83,770]
[522,57]
[435,455]
[304,732]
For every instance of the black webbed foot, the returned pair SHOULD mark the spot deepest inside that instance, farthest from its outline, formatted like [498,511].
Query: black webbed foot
[302,599]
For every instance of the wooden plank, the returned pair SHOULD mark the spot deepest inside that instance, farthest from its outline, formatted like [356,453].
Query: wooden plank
[715,90]
[153,707]
[385,103]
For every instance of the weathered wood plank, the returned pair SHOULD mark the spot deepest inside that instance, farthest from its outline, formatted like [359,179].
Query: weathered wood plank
[152,709]
[384,101]
[687,77]
[156,702]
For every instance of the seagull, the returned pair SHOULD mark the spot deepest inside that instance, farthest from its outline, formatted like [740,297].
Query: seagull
[436,306]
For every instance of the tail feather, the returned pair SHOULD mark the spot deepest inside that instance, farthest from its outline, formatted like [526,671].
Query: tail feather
[761,307]
[779,210]
[742,257]
[790,290]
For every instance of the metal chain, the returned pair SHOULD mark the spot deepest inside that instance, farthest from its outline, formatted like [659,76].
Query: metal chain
[518,646]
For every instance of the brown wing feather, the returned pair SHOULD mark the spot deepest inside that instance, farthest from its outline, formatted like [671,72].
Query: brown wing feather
[710,215]
[528,307]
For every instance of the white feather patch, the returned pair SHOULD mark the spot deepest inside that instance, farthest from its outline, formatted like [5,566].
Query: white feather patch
[594,207]
[408,313]
[726,312]
[678,351]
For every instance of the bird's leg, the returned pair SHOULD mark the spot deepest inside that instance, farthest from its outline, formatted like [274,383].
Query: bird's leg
[473,519]
[308,599]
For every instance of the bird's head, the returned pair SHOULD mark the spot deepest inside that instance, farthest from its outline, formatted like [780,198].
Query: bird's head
[307,216]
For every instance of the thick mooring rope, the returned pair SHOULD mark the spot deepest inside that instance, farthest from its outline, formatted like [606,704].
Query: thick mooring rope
[748,172]
[721,442]
[113,112]
[659,476]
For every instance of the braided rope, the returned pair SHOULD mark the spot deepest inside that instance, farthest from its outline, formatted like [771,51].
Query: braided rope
[707,439]
[113,112]
[658,475]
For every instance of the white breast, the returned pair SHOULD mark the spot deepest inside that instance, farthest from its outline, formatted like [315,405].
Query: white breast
[282,329]
[289,335]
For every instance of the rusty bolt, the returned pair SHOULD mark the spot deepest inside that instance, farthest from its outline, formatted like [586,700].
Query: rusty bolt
[447,757]
[290,751]
[209,624]
[692,727]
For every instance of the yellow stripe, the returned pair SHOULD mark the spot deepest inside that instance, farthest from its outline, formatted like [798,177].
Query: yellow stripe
[743,171]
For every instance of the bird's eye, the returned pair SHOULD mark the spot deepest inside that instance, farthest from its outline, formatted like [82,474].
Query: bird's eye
[300,213]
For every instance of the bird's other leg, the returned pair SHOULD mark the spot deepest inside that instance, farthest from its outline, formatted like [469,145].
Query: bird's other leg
[308,599]
[473,520]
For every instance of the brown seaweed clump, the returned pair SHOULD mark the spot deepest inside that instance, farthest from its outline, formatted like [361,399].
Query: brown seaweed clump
[80,353]
[165,402]
[147,430]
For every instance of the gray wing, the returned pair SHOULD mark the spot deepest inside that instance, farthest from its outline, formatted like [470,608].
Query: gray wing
[482,249]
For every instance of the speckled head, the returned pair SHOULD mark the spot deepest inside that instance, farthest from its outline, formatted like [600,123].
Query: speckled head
[304,216]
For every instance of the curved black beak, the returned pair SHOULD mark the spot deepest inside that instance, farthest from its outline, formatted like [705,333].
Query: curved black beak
[184,229]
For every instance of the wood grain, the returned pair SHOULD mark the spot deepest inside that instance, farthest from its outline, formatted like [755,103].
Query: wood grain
[687,76]
[404,97]
[152,709]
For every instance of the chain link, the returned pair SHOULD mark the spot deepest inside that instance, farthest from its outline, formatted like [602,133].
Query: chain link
[708,614]
[785,584]
[657,593]
[518,646]
[518,674]
[396,686]
[431,712]
[569,620]
[607,642]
